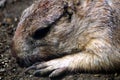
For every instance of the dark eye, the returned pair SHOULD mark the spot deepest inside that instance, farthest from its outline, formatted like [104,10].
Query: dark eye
[41,33]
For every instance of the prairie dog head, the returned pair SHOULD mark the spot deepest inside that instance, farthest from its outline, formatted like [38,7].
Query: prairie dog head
[42,31]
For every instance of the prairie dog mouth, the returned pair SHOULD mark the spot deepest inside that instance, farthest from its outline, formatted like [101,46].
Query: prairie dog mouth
[27,60]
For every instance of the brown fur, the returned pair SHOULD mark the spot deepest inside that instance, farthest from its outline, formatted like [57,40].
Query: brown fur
[80,35]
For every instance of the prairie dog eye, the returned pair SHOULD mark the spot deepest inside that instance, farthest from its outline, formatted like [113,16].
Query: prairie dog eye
[41,33]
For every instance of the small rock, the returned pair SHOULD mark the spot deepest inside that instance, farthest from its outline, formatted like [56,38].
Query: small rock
[6,65]
[15,19]
[13,70]
[0,78]
[2,70]
[6,61]
[31,75]
[1,44]
[8,20]
[2,3]
[0,24]
[12,26]
[3,62]
[116,74]
[97,75]
[1,56]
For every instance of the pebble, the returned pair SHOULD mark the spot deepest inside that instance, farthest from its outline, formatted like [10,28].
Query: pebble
[1,44]
[13,70]
[31,76]
[15,19]
[0,78]
[3,62]
[6,65]
[116,74]
[2,3]
[2,70]
[12,26]
[1,56]
[0,24]
[6,61]
[97,75]
[8,20]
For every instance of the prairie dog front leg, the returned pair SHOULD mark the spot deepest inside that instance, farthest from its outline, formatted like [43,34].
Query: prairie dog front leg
[96,57]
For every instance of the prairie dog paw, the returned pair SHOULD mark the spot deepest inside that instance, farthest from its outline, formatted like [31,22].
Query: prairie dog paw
[52,68]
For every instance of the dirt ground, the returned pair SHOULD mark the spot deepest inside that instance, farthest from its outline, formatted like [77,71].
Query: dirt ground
[9,17]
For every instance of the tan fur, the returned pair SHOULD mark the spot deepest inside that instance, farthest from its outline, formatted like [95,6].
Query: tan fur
[84,35]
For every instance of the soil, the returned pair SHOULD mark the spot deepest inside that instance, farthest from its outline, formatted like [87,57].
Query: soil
[10,12]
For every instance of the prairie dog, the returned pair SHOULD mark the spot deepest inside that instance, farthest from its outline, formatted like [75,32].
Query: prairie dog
[69,35]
